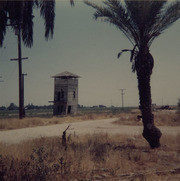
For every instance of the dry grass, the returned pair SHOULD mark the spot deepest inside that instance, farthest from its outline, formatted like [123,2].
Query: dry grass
[169,118]
[161,118]
[91,157]
[15,123]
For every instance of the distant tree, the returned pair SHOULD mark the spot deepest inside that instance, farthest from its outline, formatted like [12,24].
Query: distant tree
[48,107]
[12,106]
[30,106]
[2,108]
[141,21]
[102,106]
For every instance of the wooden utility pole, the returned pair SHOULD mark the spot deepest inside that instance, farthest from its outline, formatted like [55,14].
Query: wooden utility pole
[122,94]
[21,81]
[20,75]
[23,113]
[1,80]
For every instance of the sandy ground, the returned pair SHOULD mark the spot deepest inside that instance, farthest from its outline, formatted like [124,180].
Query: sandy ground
[78,128]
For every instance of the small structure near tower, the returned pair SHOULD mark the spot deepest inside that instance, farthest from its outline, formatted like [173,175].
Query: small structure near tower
[65,93]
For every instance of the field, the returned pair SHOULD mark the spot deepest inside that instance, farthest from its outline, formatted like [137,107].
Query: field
[9,119]
[161,118]
[29,113]
[91,157]
[48,113]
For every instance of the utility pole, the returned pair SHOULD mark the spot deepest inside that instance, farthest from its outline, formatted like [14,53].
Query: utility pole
[20,74]
[1,80]
[122,94]
[23,113]
[21,88]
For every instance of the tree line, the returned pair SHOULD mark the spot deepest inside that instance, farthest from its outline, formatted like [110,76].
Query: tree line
[13,106]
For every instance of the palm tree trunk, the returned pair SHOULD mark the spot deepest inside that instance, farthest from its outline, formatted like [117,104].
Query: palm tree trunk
[151,133]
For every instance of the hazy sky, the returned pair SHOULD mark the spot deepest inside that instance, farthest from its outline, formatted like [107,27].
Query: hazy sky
[89,49]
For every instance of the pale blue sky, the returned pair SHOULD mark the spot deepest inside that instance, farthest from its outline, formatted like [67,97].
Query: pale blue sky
[89,49]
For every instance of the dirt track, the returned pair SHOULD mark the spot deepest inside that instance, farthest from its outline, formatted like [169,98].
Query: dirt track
[87,127]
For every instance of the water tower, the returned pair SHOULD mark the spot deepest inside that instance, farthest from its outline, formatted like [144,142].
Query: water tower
[65,93]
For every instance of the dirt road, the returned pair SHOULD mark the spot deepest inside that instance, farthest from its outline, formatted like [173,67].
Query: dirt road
[79,128]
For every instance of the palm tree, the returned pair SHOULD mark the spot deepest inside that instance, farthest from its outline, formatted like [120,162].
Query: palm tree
[19,15]
[141,21]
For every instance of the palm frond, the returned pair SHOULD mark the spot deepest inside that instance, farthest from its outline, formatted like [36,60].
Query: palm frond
[144,13]
[115,13]
[133,53]
[167,18]
[124,20]
[15,9]
[47,12]
[141,21]
[27,23]
[3,22]
[133,59]
[3,4]
[20,15]
[120,53]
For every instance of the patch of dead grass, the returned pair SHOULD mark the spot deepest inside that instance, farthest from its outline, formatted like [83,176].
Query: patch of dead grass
[91,157]
[161,118]
[15,123]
